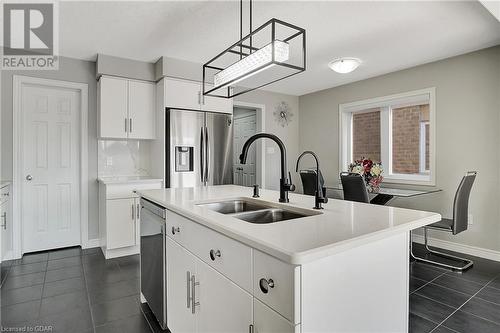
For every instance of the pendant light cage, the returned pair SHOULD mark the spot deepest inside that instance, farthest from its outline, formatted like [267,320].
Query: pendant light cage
[272,52]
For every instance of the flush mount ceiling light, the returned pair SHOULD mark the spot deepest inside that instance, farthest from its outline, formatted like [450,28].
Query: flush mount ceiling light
[272,52]
[344,65]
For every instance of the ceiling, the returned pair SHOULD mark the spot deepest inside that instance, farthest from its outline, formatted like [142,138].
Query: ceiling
[386,36]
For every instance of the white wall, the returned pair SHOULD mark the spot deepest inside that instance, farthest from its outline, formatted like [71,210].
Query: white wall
[467,133]
[69,70]
[288,134]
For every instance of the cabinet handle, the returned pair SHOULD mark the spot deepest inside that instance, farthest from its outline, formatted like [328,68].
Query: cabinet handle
[193,292]
[4,224]
[199,97]
[5,194]
[138,212]
[175,229]
[126,123]
[130,125]
[133,212]
[188,295]
[214,254]
[265,285]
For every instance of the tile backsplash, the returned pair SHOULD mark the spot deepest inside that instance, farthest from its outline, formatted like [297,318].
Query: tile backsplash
[123,158]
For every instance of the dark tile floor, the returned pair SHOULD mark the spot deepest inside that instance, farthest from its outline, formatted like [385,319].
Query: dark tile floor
[74,290]
[442,301]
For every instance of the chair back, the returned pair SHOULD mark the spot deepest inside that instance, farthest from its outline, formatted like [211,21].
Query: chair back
[308,178]
[461,203]
[354,187]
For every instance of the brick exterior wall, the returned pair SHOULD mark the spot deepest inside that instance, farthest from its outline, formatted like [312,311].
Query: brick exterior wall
[366,135]
[406,138]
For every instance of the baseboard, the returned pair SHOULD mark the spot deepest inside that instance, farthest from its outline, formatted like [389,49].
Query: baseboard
[462,248]
[91,243]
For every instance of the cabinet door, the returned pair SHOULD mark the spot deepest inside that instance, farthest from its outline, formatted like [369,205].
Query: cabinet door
[224,307]
[6,231]
[112,108]
[141,110]
[181,266]
[182,94]
[120,223]
[267,320]
[217,104]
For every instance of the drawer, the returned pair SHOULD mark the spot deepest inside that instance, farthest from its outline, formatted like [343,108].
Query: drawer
[4,194]
[231,258]
[277,284]
[122,191]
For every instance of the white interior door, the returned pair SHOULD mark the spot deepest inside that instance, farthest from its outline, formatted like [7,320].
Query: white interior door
[50,198]
[244,128]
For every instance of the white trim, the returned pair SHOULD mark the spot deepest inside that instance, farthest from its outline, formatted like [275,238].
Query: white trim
[461,248]
[91,243]
[427,95]
[260,110]
[18,81]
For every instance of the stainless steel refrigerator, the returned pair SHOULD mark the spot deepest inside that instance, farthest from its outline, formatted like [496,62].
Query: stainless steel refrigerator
[199,148]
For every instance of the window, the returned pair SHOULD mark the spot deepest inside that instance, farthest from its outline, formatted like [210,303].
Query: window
[396,130]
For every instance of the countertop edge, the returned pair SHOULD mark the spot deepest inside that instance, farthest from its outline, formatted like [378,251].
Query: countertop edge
[299,258]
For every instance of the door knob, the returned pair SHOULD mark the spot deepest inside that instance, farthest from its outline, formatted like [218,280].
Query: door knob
[29,177]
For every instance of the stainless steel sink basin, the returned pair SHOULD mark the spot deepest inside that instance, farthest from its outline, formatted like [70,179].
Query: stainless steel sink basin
[233,206]
[255,212]
[269,216]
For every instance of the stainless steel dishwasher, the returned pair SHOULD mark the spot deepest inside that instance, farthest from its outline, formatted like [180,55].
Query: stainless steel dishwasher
[153,263]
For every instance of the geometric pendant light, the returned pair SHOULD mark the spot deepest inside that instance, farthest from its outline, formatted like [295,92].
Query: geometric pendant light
[272,52]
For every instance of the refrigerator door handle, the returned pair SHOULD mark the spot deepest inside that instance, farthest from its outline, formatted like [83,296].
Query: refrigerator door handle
[202,157]
[207,155]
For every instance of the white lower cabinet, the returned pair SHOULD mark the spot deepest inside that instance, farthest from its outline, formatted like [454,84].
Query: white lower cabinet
[180,266]
[266,320]
[209,284]
[200,299]
[121,215]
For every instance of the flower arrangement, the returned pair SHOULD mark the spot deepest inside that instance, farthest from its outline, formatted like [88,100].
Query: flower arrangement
[370,171]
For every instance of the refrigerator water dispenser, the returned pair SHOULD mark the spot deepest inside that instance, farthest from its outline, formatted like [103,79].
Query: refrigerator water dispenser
[184,158]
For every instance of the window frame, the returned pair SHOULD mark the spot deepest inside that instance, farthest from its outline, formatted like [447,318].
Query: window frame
[386,104]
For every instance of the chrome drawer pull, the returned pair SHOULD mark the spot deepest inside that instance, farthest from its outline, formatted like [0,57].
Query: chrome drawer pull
[175,230]
[214,254]
[265,285]
[188,281]
[193,292]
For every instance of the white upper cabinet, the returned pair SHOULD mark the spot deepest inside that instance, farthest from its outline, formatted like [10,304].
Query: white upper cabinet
[217,104]
[112,101]
[184,94]
[126,108]
[141,110]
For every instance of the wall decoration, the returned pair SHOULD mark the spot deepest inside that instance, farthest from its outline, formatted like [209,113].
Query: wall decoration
[283,114]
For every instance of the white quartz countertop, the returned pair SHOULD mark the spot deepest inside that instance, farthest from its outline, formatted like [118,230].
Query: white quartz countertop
[342,225]
[127,179]
[4,183]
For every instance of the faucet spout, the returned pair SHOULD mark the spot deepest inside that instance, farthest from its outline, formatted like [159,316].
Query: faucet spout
[319,198]
[285,184]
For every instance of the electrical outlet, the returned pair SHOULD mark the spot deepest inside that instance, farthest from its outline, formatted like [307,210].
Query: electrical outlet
[109,161]
[470,219]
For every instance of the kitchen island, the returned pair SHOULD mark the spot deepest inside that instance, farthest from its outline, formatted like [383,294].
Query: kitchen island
[341,269]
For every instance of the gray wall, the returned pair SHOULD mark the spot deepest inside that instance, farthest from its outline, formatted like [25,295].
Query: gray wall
[467,133]
[69,70]
[288,134]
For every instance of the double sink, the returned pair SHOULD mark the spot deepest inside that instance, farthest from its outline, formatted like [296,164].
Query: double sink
[256,212]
